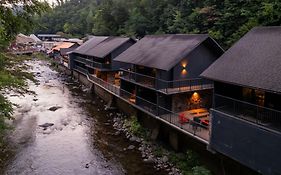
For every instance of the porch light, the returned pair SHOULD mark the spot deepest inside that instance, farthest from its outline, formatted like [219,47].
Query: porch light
[184,71]
[195,97]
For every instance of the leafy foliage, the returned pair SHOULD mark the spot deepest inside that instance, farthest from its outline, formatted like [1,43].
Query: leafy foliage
[12,77]
[225,20]
[134,127]
[17,16]
[189,163]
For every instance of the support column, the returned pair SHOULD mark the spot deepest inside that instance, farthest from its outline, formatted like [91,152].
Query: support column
[173,139]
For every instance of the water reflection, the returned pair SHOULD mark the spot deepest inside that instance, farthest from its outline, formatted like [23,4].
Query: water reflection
[76,136]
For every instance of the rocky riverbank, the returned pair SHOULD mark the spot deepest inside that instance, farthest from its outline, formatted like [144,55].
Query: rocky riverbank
[147,148]
[139,139]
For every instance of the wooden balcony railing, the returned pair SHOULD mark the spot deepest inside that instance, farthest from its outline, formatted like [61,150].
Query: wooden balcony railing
[81,69]
[193,128]
[165,86]
[92,63]
[263,116]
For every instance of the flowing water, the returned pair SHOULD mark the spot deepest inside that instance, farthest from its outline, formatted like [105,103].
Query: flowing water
[80,138]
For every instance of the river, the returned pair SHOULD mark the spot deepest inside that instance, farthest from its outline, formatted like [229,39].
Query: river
[80,139]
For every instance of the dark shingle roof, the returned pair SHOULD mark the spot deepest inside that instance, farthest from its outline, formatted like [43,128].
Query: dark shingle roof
[91,43]
[161,51]
[65,51]
[254,61]
[99,46]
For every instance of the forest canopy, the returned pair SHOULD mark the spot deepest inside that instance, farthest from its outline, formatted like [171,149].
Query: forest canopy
[17,16]
[225,20]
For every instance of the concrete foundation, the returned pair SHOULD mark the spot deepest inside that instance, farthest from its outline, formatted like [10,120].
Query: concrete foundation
[173,140]
[103,94]
[64,70]
[124,107]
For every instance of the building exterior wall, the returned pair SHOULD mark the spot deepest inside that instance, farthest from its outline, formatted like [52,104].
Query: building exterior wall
[116,65]
[249,144]
[111,77]
[185,101]
[196,62]
[71,62]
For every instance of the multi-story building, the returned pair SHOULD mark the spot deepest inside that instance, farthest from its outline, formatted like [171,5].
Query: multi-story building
[163,78]
[96,57]
[246,113]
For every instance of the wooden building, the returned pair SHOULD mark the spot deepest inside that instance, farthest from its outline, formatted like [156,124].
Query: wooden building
[96,57]
[60,52]
[163,77]
[246,114]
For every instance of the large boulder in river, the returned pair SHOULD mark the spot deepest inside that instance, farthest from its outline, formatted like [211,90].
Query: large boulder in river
[54,108]
[46,125]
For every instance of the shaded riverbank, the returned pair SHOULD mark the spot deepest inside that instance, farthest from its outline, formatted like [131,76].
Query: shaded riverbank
[79,139]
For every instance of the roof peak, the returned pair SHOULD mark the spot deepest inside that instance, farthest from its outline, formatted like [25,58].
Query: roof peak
[180,34]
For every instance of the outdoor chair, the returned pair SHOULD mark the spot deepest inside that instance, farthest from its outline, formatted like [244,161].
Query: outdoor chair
[183,119]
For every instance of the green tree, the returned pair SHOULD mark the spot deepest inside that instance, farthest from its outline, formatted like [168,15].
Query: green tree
[15,18]
[225,20]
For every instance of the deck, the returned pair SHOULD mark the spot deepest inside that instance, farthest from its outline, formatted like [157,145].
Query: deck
[193,128]
[193,124]
[164,86]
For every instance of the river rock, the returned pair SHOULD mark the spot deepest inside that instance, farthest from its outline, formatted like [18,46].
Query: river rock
[149,159]
[133,138]
[46,125]
[165,159]
[86,90]
[117,133]
[131,147]
[54,108]
[25,108]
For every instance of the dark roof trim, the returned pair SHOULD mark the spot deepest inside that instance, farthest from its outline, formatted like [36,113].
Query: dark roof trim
[242,85]
[253,61]
[101,46]
[129,39]
[218,48]
[163,52]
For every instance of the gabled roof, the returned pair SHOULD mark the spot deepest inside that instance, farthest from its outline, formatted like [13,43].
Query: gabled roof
[65,51]
[163,51]
[35,38]
[23,39]
[254,61]
[63,45]
[48,35]
[100,46]
[91,43]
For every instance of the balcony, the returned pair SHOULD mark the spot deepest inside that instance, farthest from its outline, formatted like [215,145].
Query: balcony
[266,117]
[110,87]
[80,59]
[191,125]
[81,69]
[98,65]
[167,87]
[93,64]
